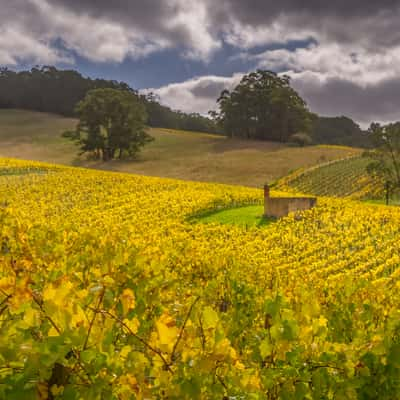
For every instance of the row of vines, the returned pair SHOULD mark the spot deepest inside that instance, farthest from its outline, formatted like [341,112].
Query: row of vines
[108,291]
[340,178]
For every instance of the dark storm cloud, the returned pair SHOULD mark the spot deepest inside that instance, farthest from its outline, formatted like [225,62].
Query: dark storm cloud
[200,25]
[208,89]
[111,30]
[248,12]
[260,11]
[372,23]
[147,16]
[342,97]
[352,47]
[143,12]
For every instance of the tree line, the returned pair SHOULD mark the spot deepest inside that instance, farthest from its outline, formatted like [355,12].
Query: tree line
[262,106]
[48,89]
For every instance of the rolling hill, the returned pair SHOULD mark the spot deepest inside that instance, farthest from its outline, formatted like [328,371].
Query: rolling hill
[173,154]
[339,178]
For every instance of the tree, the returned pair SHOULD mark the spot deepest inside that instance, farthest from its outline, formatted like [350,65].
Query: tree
[111,124]
[338,130]
[385,155]
[49,89]
[262,106]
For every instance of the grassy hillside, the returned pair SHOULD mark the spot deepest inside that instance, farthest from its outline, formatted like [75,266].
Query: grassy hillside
[341,178]
[35,136]
[174,154]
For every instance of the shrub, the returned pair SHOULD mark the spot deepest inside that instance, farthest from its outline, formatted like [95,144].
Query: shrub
[301,139]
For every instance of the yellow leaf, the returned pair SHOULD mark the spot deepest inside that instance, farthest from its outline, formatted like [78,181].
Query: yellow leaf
[265,348]
[210,318]
[125,351]
[49,293]
[30,317]
[127,300]
[53,332]
[7,283]
[78,316]
[167,332]
[56,390]
[132,324]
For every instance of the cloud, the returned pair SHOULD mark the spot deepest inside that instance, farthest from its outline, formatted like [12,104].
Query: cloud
[16,46]
[336,96]
[112,31]
[97,39]
[353,45]
[197,94]
[335,61]
[106,31]
[369,24]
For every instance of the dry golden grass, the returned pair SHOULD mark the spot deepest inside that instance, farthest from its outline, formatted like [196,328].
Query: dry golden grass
[35,136]
[175,154]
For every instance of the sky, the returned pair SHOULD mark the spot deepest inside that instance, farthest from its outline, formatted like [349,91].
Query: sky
[343,56]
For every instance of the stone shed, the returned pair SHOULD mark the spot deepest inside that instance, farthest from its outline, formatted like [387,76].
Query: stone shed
[281,206]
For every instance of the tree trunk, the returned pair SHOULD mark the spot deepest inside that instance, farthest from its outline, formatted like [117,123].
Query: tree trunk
[106,154]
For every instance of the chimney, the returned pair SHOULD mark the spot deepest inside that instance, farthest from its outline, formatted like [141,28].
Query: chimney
[266,191]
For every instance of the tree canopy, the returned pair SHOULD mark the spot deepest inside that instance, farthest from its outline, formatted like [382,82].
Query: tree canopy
[263,106]
[49,89]
[338,130]
[111,123]
[386,154]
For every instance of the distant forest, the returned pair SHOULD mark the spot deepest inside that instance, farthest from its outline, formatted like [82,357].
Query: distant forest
[48,89]
[339,130]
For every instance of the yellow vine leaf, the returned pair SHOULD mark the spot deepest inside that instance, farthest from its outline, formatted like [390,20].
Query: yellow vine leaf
[210,318]
[127,300]
[167,332]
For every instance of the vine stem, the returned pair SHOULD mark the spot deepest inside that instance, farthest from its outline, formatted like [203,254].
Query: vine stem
[93,318]
[183,328]
[151,348]
[40,304]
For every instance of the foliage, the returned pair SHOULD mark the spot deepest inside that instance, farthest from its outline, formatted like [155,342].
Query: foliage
[163,117]
[338,130]
[263,106]
[302,139]
[110,121]
[108,292]
[386,153]
[339,178]
[49,89]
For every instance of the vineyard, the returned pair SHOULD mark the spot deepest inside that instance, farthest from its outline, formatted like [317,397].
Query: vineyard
[109,290]
[339,178]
